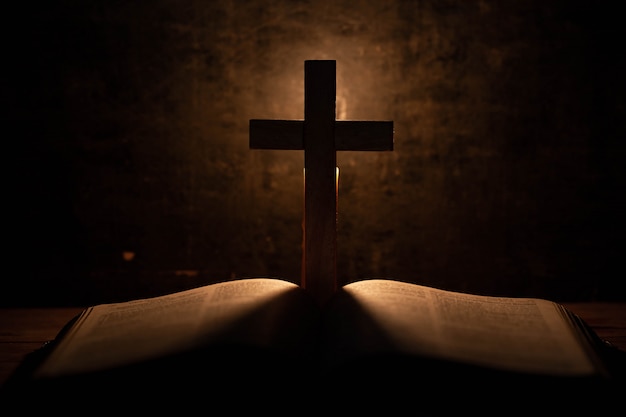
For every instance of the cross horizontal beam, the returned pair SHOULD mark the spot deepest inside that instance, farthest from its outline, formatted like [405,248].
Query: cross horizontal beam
[349,135]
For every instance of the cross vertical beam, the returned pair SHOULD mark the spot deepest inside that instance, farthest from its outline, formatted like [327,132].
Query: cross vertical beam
[320,187]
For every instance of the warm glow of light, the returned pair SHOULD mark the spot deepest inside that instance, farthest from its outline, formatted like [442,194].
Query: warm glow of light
[362,90]
[340,106]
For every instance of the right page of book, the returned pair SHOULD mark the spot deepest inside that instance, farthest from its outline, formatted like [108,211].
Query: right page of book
[516,334]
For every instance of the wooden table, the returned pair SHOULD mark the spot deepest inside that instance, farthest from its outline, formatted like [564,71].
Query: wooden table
[23,330]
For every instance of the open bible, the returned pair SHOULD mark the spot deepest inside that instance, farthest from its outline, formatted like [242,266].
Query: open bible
[385,340]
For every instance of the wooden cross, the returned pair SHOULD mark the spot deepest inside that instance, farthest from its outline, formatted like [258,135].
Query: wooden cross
[320,136]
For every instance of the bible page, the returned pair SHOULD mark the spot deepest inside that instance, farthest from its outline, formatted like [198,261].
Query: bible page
[518,334]
[117,334]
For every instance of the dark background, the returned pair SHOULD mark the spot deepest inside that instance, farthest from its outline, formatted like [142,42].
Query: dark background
[129,172]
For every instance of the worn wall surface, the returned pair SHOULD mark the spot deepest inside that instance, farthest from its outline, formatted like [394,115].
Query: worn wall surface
[129,172]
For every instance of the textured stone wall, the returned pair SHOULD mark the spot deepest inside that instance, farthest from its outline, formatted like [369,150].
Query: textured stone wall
[130,173]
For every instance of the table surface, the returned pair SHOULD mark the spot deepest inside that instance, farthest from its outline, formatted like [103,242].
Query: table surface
[23,330]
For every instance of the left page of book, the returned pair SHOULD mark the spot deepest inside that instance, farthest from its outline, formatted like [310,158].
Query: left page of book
[256,311]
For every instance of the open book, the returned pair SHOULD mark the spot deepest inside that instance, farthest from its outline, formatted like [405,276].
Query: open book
[383,339]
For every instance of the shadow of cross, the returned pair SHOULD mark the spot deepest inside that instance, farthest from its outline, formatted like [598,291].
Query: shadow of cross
[320,136]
